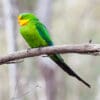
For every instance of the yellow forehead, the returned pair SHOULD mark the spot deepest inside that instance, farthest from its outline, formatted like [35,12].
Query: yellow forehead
[22,22]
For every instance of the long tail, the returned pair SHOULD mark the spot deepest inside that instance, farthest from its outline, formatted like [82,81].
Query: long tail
[59,61]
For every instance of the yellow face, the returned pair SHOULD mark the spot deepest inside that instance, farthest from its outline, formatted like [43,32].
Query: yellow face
[22,22]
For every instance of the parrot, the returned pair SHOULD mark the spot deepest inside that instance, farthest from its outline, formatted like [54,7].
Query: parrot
[37,35]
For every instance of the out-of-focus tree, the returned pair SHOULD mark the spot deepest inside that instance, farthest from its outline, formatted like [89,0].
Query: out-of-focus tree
[71,21]
[11,42]
[46,66]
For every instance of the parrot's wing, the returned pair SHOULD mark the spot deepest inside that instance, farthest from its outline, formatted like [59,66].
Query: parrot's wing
[44,33]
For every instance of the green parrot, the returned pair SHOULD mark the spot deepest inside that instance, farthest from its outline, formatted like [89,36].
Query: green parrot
[36,35]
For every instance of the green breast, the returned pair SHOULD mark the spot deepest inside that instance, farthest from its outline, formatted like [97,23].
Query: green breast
[32,36]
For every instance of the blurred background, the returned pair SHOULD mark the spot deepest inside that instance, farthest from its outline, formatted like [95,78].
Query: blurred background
[37,78]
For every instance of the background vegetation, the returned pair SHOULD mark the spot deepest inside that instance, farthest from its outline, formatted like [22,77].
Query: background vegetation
[69,22]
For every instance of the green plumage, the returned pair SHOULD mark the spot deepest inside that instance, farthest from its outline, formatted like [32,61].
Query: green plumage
[37,35]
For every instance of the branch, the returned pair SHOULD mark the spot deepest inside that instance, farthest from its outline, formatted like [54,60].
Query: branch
[89,49]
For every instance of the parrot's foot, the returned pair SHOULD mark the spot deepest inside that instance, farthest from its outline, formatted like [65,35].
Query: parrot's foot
[39,49]
[28,49]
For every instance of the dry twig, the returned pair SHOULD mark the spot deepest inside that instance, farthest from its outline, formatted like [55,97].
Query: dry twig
[89,49]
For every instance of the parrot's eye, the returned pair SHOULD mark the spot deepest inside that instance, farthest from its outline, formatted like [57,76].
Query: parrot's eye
[21,17]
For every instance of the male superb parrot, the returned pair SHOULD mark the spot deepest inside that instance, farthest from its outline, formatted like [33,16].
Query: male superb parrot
[36,35]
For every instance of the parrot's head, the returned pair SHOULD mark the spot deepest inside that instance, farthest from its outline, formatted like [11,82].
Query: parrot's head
[25,18]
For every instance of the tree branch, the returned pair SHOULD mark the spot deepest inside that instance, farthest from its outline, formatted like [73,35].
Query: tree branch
[89,49]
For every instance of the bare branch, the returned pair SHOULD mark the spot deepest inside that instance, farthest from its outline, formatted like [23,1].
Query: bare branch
[89,49]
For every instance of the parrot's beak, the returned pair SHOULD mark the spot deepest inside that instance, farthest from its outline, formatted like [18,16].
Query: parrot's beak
[22,22]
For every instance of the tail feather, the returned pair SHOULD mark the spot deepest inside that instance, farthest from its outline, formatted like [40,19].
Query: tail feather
[67,69]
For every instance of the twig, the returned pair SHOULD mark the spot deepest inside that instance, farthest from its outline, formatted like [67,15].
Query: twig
[89,49]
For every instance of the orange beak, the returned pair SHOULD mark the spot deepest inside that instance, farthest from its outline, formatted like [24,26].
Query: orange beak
[19,18]
[22,22]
